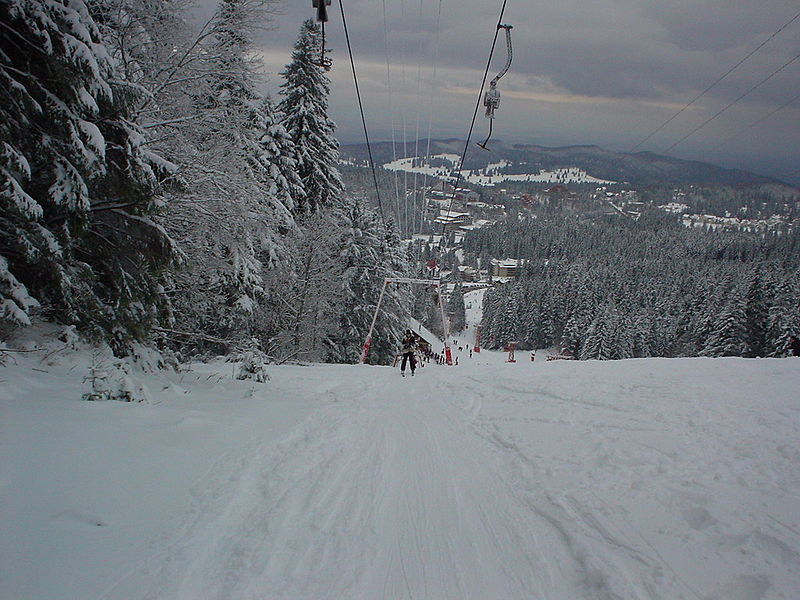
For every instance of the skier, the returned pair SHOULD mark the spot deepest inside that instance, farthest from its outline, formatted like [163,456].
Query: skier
[408,347]
[794,345]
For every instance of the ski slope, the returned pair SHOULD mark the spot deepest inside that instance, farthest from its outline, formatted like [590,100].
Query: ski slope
[634,479]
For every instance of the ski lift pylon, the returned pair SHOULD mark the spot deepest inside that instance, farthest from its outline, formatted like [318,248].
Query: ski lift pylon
[427,282]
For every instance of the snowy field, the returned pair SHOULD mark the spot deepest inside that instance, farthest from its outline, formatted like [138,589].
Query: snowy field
[636,479]
[489,176]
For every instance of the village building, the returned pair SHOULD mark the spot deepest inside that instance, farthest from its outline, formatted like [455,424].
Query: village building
[467,195]
[484,209]
[506,267]
[453,221]
[469,274]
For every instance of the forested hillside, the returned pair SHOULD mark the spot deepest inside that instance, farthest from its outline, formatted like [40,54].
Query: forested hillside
[152,193]
[621,288]
[638,168]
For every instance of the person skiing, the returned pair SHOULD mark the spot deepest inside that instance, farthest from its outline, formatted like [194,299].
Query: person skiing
[409,345]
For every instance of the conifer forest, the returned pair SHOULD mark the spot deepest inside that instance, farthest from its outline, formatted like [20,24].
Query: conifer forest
[154,194]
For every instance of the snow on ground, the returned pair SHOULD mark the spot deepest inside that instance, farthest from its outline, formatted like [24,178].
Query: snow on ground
[483,176]
[572,175]
[635,479]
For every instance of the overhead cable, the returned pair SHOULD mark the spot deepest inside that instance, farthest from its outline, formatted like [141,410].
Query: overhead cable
[713,85]
[391,116]
[430,107]
[730,104]
[760,120]
[475,114]
[363,119]
[416,129]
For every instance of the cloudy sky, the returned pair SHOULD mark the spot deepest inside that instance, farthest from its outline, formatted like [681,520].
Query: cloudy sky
[607,72]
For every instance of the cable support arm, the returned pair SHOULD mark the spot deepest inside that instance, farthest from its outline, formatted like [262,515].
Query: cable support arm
[509,49]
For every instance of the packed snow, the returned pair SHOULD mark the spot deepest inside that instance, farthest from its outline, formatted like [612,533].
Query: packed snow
[651,478]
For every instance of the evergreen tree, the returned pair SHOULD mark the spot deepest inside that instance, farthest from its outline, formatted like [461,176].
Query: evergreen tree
[278,154]
[305,106]
[77,184]
[729,336]
[755,311]
[456,309]
[783,320]
[363,268]
[506,323]
[601,337]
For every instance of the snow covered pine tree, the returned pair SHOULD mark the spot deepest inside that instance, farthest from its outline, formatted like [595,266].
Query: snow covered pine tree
[305,106]
[76,182]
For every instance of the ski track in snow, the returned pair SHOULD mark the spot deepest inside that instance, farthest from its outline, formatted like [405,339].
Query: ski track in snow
[647,479]
[371,498]
[480,482]
[440,487]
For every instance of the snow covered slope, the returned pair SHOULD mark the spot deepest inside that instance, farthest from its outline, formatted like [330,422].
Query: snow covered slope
[492,174]
[558,480]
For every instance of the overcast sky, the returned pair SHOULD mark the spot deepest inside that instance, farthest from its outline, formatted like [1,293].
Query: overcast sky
[607,72]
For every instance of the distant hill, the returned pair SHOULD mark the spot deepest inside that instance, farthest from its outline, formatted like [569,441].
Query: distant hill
[640,168]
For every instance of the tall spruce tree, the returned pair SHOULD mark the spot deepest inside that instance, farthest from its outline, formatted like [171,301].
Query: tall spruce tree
[783,320]
[305,109]
[278,154]
[755,311]
[602,341]
[456,309]
[729,335]
[77,184]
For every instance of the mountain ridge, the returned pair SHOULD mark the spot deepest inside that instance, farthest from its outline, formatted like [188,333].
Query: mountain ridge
[640,168]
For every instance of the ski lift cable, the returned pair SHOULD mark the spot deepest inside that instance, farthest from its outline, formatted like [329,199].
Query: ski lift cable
[759,120]
[416,129]
[391,114]
[713,85]
[430,109]
[403,118]
[363,121]
[474,115]
[734,102]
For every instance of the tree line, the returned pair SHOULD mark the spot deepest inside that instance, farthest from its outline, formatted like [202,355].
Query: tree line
[616,288]
[153,193]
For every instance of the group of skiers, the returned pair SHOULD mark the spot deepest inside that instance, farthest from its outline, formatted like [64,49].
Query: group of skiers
[408,350]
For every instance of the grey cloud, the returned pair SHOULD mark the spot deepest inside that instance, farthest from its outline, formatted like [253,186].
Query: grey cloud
[659,54]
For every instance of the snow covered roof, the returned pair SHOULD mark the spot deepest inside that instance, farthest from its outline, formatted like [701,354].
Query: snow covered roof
[508,262]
